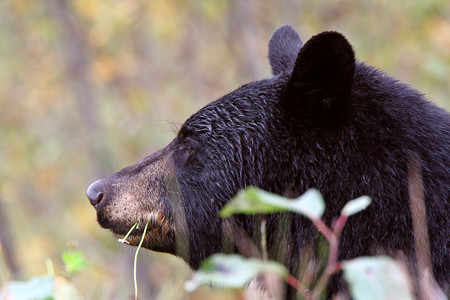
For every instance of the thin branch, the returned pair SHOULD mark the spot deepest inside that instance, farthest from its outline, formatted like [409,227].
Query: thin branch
[339,225]
[264,239]
[320,225]
[333,265]
[296,284]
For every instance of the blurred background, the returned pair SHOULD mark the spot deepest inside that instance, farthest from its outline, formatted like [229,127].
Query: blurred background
[88,87]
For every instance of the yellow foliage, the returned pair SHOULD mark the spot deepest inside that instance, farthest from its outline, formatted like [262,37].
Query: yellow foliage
[104,67]
[33,251]
[90,9]
[20,7]
[47,177]
[439,30]
[213,10]
[165,19]
[86,216]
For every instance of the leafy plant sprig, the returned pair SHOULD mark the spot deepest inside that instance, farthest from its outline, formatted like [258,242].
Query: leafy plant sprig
[234,271]
[124,241]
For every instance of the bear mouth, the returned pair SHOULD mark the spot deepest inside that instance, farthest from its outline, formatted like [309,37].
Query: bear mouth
[156,237]
[159,230]
[120,230]
[137,231]
[155,220]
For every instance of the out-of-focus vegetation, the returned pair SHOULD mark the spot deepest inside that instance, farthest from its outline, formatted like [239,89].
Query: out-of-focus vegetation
[378,277]
[88,87]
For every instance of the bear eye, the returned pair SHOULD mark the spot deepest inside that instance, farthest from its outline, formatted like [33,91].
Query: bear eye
[189,150]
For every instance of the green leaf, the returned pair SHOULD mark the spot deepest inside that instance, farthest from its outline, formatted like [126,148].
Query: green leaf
[253,200]
[40,288]
[372,278]
[74,262]
[232,271]
[355,206]
[37,288]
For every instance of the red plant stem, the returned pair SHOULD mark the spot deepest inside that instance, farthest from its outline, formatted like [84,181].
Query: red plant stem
[339,225]
[292,281]
[333,265]
[264,239]
[329,270]
[320,225]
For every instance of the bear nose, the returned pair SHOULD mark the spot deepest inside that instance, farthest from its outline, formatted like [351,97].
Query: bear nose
[95,193]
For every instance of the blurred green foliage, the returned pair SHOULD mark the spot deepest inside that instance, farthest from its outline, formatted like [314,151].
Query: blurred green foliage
[90,86]
[74,262]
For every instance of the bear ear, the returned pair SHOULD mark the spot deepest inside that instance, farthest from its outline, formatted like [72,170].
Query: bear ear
[284,46]
[321,81]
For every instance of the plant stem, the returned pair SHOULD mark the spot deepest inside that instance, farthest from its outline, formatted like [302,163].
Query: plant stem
[124,240]
[135,260]
[320,225]
[50,268]
[339,225]
[296,284]
[333,265]
[264,239]
[3,274]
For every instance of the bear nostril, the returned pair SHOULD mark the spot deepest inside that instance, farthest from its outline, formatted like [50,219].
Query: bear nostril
[95,193]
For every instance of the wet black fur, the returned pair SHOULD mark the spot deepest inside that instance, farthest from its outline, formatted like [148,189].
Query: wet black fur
[334,124]
[328,122]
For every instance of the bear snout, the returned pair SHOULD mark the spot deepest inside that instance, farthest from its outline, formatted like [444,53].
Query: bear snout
[95,193]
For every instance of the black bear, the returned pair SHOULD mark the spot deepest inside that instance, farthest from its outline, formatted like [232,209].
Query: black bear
[324,121]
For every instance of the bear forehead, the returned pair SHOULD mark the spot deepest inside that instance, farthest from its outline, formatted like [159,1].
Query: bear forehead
[251,102]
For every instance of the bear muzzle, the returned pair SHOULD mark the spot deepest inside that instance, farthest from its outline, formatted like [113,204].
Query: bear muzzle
[139,194]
